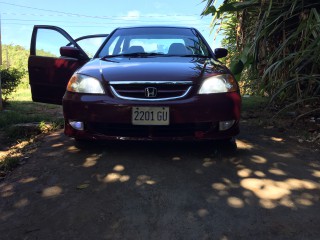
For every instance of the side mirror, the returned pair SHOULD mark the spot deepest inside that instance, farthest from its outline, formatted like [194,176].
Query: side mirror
[70,52]
[220,52]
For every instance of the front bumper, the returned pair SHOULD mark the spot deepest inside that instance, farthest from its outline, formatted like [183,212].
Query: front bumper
[195,118]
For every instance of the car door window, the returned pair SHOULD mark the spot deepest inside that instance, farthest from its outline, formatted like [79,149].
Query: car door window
[49,42]
[91,45]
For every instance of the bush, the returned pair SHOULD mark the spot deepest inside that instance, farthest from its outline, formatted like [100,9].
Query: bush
[10,79]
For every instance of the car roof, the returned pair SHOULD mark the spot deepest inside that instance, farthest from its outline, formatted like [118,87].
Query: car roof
[154,26]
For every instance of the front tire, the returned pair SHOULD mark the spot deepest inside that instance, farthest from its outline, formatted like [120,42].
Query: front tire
[227,146]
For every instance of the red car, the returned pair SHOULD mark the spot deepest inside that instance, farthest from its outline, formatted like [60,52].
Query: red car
[137,83]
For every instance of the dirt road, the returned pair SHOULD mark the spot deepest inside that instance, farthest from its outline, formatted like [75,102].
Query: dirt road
[269,189]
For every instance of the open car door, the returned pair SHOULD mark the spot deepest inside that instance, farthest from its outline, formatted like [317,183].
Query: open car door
[54,57]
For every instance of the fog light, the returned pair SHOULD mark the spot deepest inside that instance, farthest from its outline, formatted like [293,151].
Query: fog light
[225,125]
[77,125]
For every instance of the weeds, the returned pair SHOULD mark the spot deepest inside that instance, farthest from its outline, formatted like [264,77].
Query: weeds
[20,124]
[275,44]
[9,163]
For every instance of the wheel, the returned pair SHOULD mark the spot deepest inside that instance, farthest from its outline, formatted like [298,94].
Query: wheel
[81,143]
[227,146]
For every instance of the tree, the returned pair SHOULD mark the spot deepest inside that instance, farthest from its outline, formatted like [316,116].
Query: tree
[10,79]
[1,104]
[15,56]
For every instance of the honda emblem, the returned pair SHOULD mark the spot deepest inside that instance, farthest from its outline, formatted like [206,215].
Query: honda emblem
[150,92]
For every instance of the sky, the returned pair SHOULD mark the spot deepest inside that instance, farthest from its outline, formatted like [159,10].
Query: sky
[85,17]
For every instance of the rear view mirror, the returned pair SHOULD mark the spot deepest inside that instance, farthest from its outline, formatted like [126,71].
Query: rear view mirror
[220,52]
[69,52]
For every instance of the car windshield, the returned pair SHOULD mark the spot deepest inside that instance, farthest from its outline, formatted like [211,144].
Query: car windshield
[154,41]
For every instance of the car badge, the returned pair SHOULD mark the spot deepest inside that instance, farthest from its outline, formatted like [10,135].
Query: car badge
[150,92]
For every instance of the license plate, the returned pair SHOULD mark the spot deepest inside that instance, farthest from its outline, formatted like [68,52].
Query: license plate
[150,115]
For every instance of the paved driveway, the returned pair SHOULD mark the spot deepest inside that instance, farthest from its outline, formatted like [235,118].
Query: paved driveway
[269,189]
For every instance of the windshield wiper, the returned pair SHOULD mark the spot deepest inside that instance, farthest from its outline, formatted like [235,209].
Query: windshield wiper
[136,54]
[190,55]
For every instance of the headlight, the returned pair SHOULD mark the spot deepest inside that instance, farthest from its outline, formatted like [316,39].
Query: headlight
[218,84]
[84,84]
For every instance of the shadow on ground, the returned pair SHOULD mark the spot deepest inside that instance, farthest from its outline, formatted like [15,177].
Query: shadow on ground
[268,189]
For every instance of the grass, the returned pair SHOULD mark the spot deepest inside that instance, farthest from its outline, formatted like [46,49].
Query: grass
[9,163]
[21,110]
[251,103]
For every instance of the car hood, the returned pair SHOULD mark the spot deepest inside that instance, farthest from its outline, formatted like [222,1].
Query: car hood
[152,69]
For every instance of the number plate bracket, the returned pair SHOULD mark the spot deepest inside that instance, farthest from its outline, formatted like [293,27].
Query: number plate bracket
[150,116]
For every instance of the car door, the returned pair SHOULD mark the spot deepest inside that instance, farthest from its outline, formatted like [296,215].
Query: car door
[49,72]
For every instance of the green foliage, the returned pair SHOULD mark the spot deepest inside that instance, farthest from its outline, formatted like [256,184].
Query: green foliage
[275,44]
[15,56]
[252,103]
[43,53]
[10,79]
[26,111]
[9,163]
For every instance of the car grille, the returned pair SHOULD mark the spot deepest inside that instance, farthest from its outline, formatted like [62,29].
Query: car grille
[151,91]
[128,130]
